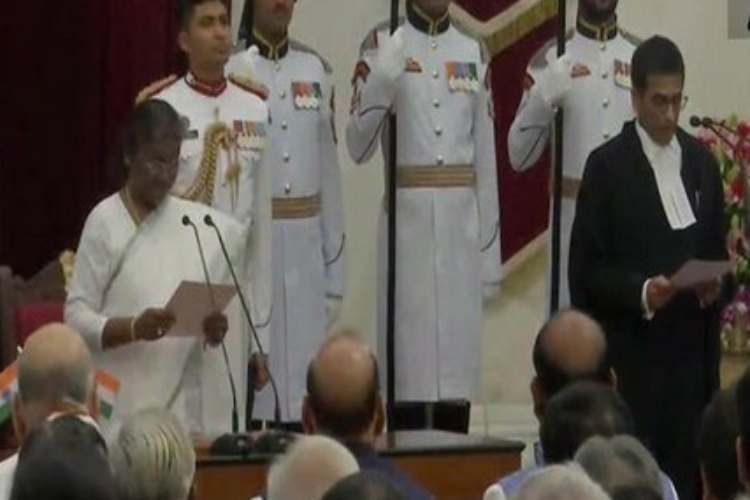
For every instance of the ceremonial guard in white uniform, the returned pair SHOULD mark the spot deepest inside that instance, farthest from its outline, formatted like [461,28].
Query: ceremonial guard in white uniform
[308,222]
[591,83]
[435,78]
[222,165]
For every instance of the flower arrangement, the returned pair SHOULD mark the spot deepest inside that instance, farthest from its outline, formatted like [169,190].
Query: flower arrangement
[732,151]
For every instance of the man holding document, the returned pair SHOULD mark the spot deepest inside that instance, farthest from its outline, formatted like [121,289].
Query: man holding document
[651,201]
[135,252]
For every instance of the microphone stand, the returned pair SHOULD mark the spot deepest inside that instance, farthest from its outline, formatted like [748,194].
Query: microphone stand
[272,441]
[240,441]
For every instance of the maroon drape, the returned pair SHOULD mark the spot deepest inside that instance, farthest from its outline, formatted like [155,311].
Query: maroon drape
[71,70]
[524,200]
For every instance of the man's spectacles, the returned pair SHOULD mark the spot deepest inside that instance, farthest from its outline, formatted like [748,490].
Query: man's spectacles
[677,102]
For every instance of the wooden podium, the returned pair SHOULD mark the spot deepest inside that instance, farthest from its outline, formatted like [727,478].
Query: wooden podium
[446,464]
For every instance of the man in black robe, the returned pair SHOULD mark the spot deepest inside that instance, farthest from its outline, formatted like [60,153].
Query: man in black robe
[650,200]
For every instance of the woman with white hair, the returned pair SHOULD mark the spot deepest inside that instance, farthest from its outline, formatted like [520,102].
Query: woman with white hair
[153,457]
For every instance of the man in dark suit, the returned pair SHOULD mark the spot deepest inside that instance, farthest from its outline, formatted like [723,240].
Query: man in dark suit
[652,199]
[343,401]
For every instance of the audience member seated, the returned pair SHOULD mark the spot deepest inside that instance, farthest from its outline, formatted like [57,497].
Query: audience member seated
[64,459]
[55,374]
[153,458]
[570,346]
[343,401]
[310,467]
[560,482]
[717,442]
[364,485]
[578,412]
[619,462]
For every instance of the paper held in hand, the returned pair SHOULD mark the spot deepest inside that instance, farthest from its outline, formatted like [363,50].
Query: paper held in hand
[191,302]
[699,272]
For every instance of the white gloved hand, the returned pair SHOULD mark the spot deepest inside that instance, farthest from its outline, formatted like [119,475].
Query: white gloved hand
[333,309]
[556,81]
[391,58]
[245,64]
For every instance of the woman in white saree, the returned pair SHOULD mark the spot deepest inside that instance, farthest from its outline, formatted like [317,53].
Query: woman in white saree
[133,253]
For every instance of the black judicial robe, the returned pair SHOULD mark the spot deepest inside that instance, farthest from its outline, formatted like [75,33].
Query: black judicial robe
[667,367]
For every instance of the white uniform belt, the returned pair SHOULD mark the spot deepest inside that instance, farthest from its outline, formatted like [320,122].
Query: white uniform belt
[435,176]
[301,207]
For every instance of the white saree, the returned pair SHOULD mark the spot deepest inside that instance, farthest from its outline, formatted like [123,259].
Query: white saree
[122,269]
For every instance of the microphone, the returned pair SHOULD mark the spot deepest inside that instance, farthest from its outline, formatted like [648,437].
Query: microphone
[277,409]
[235,418]
[697,121]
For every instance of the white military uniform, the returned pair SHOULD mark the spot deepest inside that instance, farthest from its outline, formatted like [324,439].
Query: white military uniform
[223,163]
[448,216]
[595,107]
[308,225]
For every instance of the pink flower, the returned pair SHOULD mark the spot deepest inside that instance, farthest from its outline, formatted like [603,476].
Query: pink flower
[743,129]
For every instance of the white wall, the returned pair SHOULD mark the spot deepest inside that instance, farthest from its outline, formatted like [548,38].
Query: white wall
[718,83]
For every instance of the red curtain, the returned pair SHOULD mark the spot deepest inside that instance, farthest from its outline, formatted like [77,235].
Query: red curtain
[72,70]
[524,200]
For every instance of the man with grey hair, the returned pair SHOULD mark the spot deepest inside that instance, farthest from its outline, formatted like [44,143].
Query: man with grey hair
[560,482]
[311,466]
[55,374]
[153,457]
[619,462]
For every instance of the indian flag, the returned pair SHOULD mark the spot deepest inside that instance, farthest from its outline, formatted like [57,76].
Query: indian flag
[107,388]
[8,387]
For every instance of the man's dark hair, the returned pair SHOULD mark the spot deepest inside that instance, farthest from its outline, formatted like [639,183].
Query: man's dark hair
[551,377]
[341,423]
[63,459]
[578,412]
[150,120]
[656,56]
[364,485]
[717,439]
[186,8]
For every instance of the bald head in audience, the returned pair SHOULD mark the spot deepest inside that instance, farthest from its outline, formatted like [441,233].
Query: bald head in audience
[571,346]
[55,373]
[310,467]
[343,398]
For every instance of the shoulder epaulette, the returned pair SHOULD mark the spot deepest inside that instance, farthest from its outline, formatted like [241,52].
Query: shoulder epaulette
[469,33]
[631,37]
[371,40]
[302,47]
[154,88]
[250,85]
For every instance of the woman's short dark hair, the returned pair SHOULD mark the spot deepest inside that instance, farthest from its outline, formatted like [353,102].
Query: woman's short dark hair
[151,120]
[65,458]
[656,56]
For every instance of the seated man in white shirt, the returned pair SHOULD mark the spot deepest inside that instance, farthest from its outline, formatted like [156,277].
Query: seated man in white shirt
[55,374]
[577,413]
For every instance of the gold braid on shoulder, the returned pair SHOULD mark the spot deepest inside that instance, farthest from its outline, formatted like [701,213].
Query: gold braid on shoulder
[202,189]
